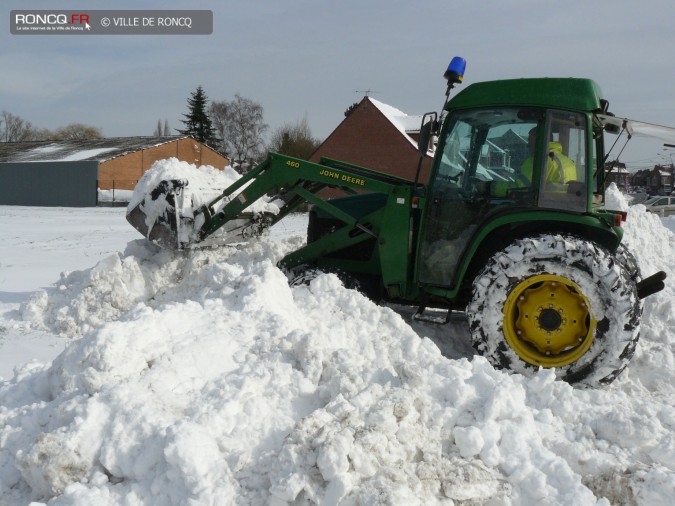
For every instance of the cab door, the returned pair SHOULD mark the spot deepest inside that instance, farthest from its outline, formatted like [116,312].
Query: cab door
[477,171]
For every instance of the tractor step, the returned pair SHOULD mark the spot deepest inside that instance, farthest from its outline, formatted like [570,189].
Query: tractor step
[440,316]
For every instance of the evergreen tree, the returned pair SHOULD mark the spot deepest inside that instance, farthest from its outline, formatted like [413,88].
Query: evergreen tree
[197,122]
[351,108]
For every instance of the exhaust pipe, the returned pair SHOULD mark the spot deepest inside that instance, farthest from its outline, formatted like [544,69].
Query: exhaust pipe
[651,285]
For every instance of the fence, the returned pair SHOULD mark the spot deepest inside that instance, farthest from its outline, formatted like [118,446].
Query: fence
[115,192]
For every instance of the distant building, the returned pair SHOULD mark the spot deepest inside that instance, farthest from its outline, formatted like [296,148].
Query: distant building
[121,160]
[377,136]
[656,180]
[616,172]
[69,173]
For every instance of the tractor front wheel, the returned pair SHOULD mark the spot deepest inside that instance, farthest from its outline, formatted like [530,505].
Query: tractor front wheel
[557,302]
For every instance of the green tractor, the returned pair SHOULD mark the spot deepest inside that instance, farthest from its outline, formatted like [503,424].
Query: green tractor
[510,227]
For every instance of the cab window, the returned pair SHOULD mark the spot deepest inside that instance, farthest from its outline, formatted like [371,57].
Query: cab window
[563,182]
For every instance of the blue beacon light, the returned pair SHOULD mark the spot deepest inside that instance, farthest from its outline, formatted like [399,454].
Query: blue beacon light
[455,72]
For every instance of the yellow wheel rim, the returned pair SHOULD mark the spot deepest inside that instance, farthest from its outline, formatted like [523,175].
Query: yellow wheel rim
[547,321]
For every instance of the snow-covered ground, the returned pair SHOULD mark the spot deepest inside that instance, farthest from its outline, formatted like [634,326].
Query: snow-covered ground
[140,376]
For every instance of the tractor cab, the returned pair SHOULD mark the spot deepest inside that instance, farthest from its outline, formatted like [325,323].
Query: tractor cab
[506,148]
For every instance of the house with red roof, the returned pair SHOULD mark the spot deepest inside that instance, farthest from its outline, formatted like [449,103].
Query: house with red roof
[377,136]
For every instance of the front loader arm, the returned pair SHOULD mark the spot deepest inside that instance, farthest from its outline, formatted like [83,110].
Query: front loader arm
[280,174]
[298,181]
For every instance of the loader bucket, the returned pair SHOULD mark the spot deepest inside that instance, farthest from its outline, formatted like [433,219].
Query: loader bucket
[163,217]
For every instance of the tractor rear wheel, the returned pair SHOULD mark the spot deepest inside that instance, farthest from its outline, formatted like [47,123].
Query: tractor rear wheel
[557,302]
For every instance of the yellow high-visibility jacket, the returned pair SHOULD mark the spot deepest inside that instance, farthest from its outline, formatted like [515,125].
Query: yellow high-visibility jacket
[559,168]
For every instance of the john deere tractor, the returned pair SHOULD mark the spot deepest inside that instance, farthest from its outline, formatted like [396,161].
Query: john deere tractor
[510,227]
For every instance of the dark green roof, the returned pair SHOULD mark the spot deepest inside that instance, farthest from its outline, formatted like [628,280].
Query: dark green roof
[562,93]
[78,150]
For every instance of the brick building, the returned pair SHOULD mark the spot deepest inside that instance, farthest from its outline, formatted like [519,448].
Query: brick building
[121,160]
[616,172]
[377,136]
[131,165]
[69,172]
[658,180]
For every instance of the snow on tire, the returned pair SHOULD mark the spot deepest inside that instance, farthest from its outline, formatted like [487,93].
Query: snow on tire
[557,301]
[303,276]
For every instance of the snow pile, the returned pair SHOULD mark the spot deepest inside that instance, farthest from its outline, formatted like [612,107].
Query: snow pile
[203,183]
[201,377]
[206,180]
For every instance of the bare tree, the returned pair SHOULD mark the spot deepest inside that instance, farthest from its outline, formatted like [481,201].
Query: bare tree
[294,139]
[218,111]
[76,131]
[162,131]
[15,129]
[243,131]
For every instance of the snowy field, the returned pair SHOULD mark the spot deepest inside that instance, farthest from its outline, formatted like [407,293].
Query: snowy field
[135,376]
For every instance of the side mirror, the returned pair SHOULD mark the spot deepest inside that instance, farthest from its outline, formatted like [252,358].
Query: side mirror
[425,136]
[429,126]
[427,129]
[612,129]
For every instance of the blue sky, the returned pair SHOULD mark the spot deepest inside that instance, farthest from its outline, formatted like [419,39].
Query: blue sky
[316,57]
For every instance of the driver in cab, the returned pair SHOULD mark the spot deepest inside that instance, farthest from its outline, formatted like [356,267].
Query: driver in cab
[559,168]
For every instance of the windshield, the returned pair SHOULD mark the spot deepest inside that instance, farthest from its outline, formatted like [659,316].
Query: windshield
[487,145]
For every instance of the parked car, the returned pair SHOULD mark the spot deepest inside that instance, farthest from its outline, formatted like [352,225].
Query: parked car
[637,198]
[660,205]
